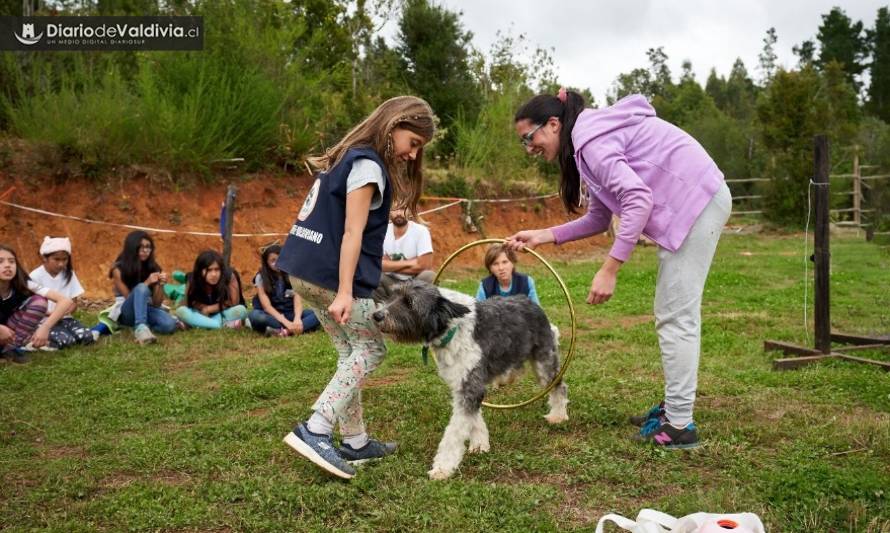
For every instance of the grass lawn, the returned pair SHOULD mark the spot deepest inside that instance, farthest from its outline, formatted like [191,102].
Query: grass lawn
[185,435]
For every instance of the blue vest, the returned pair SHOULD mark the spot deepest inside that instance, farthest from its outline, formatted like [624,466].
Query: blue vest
[280,300]
[312,249]
[519,285]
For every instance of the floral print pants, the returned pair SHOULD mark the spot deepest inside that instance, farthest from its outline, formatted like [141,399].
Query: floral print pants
[360,348]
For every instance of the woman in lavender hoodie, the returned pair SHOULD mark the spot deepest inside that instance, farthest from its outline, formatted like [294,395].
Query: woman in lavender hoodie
[662,184]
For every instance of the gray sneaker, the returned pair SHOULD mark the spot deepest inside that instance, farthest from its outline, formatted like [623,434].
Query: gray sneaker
[374,449]
[143,334]
[320,450]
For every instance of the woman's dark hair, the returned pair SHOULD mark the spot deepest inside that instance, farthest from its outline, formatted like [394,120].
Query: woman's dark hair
[69,269]
[538,110]
[20,282]
[134,271]
[268,275]
[198,289]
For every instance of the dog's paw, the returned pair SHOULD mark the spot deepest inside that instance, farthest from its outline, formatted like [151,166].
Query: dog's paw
[437,474]
[479,447]
[556,418]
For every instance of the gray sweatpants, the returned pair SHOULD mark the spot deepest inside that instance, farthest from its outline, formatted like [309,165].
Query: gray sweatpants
[678,294]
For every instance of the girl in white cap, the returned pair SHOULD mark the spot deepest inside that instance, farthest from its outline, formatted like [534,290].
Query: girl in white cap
[57,273]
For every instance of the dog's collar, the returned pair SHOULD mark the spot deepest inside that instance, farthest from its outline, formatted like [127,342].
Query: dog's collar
[443,342]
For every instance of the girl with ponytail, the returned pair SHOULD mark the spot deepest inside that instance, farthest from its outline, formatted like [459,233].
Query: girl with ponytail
[662,184]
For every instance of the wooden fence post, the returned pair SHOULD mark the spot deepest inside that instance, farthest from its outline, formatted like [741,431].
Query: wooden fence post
[857,188]
[227,225]
[821,255]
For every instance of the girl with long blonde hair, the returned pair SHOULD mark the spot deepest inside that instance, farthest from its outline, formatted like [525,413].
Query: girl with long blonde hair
[333,255]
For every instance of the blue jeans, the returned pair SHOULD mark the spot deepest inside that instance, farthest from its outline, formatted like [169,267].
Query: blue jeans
[137,310]
[260,320]
[197,319]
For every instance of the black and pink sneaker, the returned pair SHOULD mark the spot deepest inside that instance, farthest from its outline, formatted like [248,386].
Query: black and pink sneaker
[655,412]
[661,433]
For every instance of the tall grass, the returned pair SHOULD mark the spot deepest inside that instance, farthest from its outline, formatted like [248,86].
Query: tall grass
[250,93]
[488,146]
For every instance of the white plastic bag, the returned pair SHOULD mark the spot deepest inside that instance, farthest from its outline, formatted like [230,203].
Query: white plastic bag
[652,521]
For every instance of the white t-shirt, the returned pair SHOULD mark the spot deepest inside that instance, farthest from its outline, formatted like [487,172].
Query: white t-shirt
[42,278]
[363,172]
[414,243]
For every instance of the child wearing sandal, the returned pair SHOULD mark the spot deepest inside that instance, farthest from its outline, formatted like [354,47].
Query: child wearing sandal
[334,256]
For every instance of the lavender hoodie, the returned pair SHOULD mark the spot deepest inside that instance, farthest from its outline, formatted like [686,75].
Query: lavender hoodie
[652,174]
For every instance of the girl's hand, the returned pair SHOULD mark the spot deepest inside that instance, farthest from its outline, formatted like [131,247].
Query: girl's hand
[602,287]
[6,335]
[162,277]
[152,278]
[40,337]
[295,327]
[530,239]
[341,308]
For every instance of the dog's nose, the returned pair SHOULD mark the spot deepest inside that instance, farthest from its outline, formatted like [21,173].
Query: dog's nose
[378,316]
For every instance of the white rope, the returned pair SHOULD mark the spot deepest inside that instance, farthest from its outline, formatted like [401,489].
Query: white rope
[130,226]
[271,234]
[441,207]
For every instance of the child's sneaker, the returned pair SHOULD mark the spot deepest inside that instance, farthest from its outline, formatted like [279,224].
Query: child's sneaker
[144,335]
[374,449]
[233,324]
[320,450]
[16,355]
[660,432]
[653,413]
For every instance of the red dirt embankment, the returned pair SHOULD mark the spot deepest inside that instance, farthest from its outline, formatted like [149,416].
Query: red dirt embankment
[264,204]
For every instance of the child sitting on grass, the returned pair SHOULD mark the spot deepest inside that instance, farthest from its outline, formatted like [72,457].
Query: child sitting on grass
[23,307]
[277,309]
[57,273]
[213,295]
[504,280]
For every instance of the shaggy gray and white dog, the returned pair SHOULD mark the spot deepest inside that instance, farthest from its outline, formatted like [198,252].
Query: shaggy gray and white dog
[475,343]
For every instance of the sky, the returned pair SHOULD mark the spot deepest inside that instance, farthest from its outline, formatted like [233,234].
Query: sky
[594,41]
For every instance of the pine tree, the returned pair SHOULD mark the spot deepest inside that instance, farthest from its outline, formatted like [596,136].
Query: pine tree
[768,56]
[879,87]
[842,40]
[436,49]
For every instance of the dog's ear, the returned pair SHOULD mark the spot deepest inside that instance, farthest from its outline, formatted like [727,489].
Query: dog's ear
[436,322]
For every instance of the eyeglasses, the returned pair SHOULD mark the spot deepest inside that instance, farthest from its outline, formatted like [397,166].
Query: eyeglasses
[526,139]
[146,247]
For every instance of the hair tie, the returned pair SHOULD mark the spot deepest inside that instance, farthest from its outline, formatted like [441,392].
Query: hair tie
[562,94]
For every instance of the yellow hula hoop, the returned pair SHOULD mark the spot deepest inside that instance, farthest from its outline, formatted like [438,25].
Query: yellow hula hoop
[562,285]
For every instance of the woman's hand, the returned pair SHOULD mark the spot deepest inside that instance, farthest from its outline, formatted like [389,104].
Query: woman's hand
[530,239]
[603,286]
[341,308]
[40,337]
[152,278]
